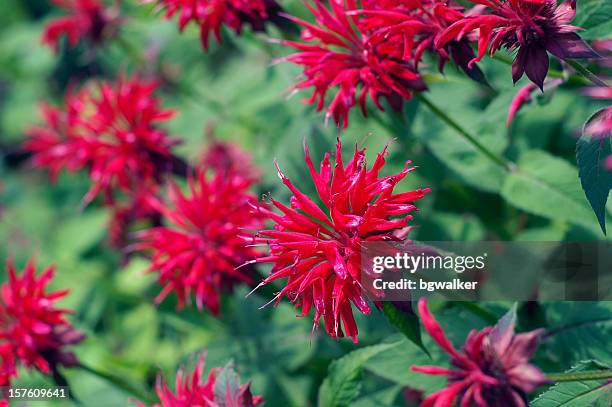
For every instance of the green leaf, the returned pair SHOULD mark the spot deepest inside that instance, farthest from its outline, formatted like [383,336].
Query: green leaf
[594,393]
[342,385]
[547,186]
[588,323]
[77,234]
[450,148]
[596,182]
[407,322]
[394,365]
[594,16]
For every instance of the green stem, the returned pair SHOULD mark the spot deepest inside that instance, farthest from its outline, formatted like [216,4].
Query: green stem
[582,70]
[580,376]
[464,133]
[120,383]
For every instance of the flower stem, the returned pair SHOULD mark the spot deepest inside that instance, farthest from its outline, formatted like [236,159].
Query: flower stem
[580,376]
[120,383]
[582,70]
[463,132]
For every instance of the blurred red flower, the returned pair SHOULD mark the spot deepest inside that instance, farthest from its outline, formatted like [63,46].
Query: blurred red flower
[109,129]
[534,27]
[492,368]
[211,15]
[336,53]
[319,252]
[31,327]
[199,254]
[221,388]
[86,19]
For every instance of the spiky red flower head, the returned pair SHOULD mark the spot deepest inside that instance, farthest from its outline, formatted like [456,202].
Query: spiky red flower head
[111,129]
[86,19]
[211,15]
[531,26]
[337,55]
[34,330]
[221,388]
[414,25]
[318,250]
[492,368]
[198,255]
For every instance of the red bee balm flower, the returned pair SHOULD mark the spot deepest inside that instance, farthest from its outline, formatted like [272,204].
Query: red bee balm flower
[319,252]
[200,252]
[492,368]
[87,19]
[221,388]
[336,53]
[211,15]
[532,26]
[30,326]
[111,131]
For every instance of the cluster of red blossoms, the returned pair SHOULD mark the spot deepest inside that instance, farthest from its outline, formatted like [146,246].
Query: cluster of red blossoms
[111,130]
[318,250]
[85,19]
[374,49]
[212,15]
[221,388]
[199,254]
[33,332]
[492,368]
